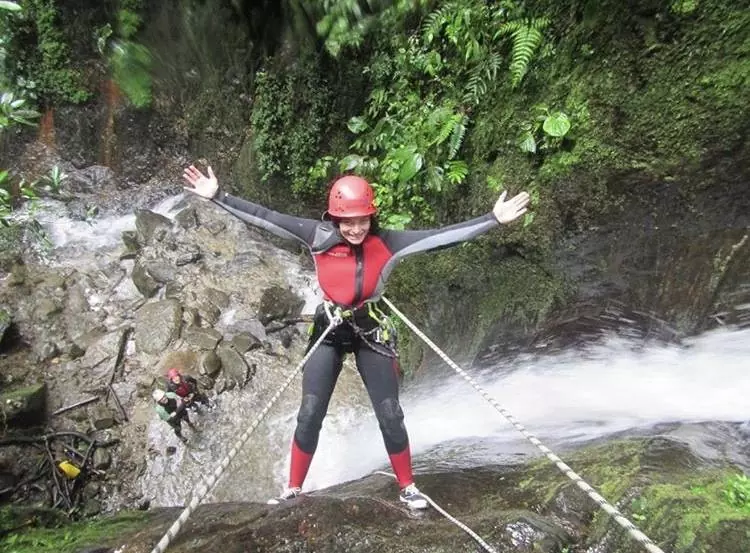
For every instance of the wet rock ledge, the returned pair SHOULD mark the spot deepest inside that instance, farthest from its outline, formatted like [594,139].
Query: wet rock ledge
[678,497]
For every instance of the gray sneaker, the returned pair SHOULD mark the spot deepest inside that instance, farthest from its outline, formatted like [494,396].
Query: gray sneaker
[286,495]
[413,498]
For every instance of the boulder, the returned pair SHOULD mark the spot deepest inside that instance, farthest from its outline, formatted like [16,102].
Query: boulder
[101,355]
[235,368]
[147,223]
[160,271]
[245,342]
[102,459]
[24,407]
[202,338]
[144,282]
[157,325]
[130,239]
[210,364]
[187,218]
[278,303]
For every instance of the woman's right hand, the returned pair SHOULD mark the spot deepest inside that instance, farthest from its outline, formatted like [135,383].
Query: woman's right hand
[204,186]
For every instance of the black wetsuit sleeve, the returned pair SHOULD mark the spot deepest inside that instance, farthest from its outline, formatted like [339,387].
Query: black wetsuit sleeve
[408,242]
[280,224]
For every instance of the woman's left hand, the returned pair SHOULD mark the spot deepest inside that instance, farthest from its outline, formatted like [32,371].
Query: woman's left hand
[506,212]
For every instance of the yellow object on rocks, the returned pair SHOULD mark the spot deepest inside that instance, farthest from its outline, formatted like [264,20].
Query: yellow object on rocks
[70,470]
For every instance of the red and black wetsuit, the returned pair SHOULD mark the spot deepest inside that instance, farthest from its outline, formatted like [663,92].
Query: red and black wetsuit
[349,276]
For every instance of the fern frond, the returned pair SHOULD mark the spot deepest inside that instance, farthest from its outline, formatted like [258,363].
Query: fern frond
[526,37]
[433,23]
[457,136]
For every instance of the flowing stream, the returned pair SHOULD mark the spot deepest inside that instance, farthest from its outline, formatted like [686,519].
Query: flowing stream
[566,398]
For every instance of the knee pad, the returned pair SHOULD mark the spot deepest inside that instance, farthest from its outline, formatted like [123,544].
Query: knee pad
[391,419]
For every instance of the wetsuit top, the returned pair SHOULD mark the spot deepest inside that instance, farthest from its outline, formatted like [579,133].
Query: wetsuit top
[351,275]
[173,404]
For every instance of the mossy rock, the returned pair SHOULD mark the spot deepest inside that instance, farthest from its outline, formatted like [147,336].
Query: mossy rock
[11,244]
[24,407]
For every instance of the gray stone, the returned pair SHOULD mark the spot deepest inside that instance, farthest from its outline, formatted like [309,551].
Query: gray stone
[217,297]
[84,341]
[102,459]
[216,227]
[148,223]
[102,417]
[234,366]
[279,303]
[144,282]
[48,351]
[157,325]
[130,239]
[187,218]
[24,407]
[208,312]
[203,338]
[245,342]
[187,258]
[191,317]
[46,307]
[173,290]
[101,355]
[160,271]
[210,364]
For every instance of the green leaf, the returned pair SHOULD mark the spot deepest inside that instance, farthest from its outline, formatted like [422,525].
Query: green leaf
[556,125]
[527,143]
[411,167]
[350,162]
[10,6]
[357,125]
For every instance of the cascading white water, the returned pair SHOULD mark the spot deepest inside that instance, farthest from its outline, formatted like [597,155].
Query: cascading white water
[563,398]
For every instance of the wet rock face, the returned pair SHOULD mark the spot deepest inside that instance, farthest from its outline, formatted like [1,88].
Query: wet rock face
[5,321]
[278,303]
[529,508]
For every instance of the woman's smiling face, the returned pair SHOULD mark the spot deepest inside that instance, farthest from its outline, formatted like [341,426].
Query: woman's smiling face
[354,229]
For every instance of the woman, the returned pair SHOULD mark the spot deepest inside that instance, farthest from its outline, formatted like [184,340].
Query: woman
[353,258]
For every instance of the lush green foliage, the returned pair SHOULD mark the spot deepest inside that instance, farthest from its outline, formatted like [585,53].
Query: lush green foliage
[289,119]
[37,54]
[737,491]
[425,84]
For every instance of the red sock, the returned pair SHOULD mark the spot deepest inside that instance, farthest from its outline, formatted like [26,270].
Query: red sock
[401,463]
[300,465]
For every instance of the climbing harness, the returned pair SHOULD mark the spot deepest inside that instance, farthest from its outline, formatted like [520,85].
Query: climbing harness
[450,517]
[205,486]
[610,509]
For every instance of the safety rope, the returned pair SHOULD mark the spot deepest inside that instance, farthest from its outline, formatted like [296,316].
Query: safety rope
[487,547]
[632,530]
[205,486]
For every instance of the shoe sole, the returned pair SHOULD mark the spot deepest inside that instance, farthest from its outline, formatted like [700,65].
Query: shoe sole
[416,506]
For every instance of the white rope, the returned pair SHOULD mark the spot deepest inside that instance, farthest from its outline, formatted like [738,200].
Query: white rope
[450,517]
[205,486]
[632,530]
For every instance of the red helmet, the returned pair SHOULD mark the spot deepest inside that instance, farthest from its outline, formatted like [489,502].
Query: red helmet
[351,196]
[171,373]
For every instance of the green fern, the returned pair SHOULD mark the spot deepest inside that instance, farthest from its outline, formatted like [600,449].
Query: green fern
[433,23]
[526,37]
[457,136]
